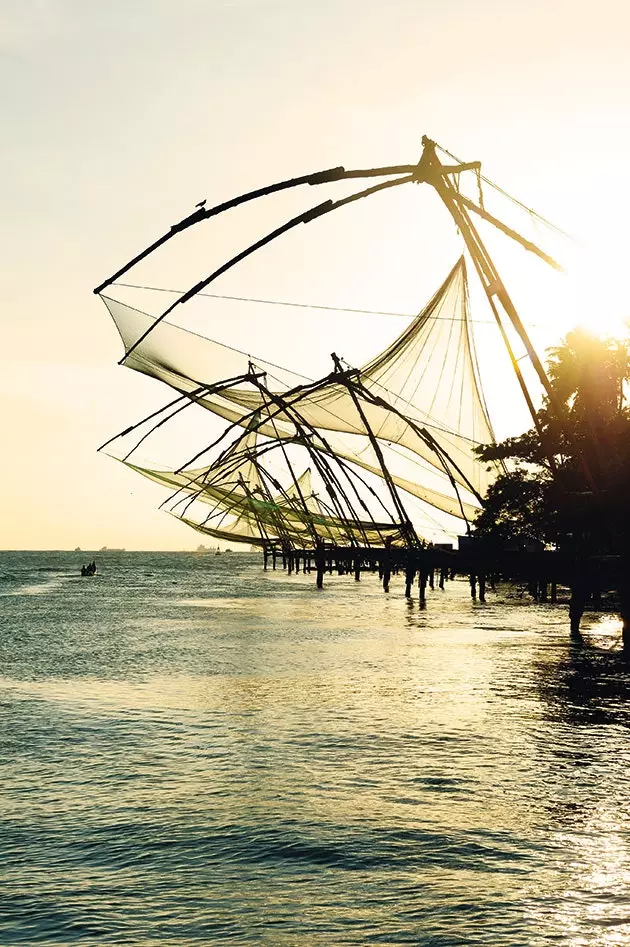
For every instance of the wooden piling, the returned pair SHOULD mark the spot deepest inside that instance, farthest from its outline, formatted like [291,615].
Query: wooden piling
[422,585]
[482,587]
[387,564]
[320,563]
[410,574]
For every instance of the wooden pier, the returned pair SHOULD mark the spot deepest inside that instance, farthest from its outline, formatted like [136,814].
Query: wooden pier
[596,583]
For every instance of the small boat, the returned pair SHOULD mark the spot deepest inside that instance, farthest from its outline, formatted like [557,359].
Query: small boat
[89,569]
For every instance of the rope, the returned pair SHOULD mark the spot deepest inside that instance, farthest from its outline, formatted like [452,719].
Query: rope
[514,200]
[292,305]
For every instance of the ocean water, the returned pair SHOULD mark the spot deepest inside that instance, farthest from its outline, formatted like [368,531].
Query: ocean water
[193,751]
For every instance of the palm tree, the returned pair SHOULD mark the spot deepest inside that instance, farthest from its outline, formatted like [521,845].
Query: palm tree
[589,375]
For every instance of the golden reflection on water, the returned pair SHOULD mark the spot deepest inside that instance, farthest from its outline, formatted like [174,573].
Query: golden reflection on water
[469,738]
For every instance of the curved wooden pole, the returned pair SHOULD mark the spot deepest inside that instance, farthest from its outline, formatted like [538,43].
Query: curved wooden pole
[306,217]
[204,213]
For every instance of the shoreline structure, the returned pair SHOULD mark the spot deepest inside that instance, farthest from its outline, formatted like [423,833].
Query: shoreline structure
[403,428]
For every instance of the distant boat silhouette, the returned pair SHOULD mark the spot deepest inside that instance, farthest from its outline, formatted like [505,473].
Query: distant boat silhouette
[110,549]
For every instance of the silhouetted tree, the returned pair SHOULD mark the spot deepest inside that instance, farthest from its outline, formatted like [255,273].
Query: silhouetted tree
[586,498]
[567,485]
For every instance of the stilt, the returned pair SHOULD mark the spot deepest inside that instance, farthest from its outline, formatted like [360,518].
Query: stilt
[554,593]
[579,585]
[482,587]
[576,608]
[386,564]
[410,574]
[357,569]
[320,563]
[265,558]
[422,586]
[624,603]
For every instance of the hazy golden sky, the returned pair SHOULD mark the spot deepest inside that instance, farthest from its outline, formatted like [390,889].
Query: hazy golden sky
[118,117]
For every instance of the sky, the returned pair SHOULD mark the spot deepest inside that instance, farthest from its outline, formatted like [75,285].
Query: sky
[118,117]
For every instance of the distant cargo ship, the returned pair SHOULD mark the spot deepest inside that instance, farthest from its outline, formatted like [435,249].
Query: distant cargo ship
[110,549]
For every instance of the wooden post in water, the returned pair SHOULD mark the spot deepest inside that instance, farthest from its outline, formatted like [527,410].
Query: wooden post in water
[623,586]
[410,573]
[576,608]
[320,563]
[482,587]
[579,582]
[387,568]
[422,585]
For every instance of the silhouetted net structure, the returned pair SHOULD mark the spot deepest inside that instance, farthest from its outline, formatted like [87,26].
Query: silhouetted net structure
[338,459]
[411,416]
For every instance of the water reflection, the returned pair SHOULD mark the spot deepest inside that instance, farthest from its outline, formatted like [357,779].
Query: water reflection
[282,766]
[586,684]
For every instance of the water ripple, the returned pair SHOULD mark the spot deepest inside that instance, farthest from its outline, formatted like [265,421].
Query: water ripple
[193,751]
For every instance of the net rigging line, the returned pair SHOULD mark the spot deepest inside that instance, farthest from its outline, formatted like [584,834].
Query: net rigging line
[534,214]
[294,305]
[263,364]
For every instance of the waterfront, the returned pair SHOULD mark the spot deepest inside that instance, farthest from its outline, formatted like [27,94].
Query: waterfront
[195,751]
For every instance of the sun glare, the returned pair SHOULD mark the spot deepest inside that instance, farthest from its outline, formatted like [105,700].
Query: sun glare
[595,302]
[593,278]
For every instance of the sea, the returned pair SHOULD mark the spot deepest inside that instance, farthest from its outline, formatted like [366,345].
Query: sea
[194,752]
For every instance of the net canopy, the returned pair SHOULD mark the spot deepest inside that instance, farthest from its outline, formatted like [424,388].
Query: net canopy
[413,413]
[239,489]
